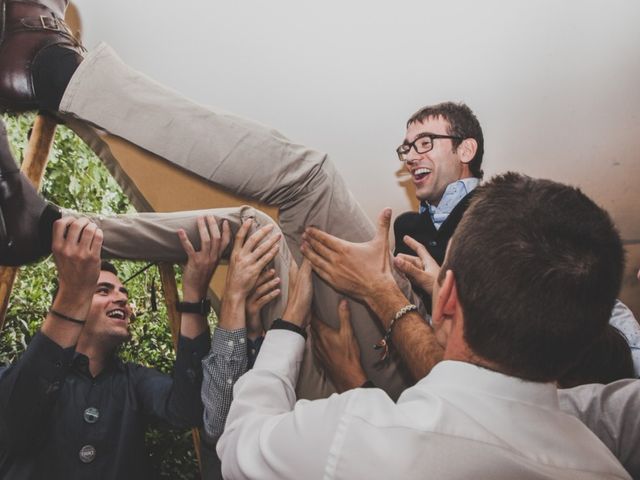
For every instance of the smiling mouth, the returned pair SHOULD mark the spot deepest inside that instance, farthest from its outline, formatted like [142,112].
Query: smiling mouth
[117,313]
[420,173]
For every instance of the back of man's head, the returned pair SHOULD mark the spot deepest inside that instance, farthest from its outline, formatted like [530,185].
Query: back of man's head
[538,266]
[462,123]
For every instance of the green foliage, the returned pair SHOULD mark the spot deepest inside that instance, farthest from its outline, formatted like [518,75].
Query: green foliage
[76,179]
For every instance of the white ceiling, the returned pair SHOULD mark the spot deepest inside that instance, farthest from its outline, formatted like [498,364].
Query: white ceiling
[555,84]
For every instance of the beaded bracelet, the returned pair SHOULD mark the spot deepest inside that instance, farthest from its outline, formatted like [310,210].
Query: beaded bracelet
[385,341]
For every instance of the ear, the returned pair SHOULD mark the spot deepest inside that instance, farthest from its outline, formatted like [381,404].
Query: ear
[446,301]
[467,150]
[445,309]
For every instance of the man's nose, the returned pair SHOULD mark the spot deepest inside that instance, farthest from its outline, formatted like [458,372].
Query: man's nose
[411,157]
[120,299]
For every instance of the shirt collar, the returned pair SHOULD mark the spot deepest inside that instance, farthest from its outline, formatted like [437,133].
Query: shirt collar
[454,192]
[80,363]
[450,373]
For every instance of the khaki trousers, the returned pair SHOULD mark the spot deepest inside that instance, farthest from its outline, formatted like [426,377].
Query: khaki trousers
[249,159]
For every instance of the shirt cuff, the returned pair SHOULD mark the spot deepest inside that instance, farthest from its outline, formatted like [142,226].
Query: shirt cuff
[191,351]
[280,324]
[282,352]
[229,343]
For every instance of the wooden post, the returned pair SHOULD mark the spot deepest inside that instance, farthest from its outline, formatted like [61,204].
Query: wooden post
[33,166]
[170,290]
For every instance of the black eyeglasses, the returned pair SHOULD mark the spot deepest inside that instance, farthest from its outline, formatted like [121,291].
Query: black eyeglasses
[422,144]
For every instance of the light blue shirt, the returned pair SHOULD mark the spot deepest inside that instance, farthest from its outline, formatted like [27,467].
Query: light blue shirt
[454,192]
[622,318]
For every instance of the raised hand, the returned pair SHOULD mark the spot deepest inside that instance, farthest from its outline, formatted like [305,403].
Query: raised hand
[249,257]
[422,270]
[338,351]
[300,296]
[201,264]
[76,249]
[356,269]
[266,290]
[247,262]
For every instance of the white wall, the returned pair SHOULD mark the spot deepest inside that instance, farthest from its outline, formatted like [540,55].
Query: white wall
[555,83]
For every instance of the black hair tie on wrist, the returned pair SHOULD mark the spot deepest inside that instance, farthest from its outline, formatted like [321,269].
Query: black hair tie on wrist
[62,316]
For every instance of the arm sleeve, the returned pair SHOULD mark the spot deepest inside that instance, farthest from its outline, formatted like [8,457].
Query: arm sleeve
[611,412]
[29,390]
[221,368]
[623,319]
[176,400]
[268,434]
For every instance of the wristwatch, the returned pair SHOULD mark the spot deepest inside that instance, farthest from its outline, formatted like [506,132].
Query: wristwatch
[203,307]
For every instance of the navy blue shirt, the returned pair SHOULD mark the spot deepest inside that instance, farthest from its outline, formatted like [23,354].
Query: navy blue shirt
[58,421]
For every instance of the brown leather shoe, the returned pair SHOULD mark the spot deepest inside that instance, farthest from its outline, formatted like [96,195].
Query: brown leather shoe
[26,219]
[27,30]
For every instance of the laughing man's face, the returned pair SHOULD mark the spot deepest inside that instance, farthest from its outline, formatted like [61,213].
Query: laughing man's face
[431,172]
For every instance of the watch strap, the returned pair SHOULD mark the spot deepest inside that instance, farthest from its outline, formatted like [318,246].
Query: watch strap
[203,307]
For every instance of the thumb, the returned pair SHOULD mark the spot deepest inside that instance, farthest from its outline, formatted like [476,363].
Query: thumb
[384,220]
[345,317]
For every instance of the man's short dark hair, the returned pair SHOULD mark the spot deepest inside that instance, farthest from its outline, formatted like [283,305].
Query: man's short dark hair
[538,266]
[462,123]
[607,360]
[106,266]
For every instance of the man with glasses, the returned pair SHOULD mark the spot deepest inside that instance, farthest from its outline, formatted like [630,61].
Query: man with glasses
[442,150]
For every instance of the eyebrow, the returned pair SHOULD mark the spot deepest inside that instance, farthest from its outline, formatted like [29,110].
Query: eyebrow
[111,286]
[420,135]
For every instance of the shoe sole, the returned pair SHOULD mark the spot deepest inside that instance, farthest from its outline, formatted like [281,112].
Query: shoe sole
[3,8]
[3,228]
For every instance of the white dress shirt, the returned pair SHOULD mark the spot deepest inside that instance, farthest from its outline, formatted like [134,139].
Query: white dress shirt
[611,412]
[459,422]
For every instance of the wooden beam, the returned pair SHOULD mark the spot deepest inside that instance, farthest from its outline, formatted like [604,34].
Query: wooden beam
[170,290]
[33,166]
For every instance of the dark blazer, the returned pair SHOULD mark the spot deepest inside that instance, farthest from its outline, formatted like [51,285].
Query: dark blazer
[421,228]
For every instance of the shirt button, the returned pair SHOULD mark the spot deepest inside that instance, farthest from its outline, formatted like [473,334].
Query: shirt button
[433,243]
[229,381]
[53,387]
[230,343]
[253,351]
[91,415]
[87,454]
[242,340]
